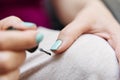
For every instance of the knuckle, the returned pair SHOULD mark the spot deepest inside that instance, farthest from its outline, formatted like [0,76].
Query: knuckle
[5,62]
[9,21]
[4,66]
[2,41]
[1,44]
[64,33]
[67,35]
[10,61]
[14,18]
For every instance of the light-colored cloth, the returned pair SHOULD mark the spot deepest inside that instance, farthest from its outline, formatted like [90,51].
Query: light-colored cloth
[89,58]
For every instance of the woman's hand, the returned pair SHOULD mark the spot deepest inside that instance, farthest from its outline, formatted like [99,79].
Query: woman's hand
[13,44]
[93,18]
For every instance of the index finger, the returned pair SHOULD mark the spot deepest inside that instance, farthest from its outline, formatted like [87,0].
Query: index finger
[19,40]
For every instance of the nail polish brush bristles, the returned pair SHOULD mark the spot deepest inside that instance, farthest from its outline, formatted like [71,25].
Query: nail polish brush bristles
[45,51]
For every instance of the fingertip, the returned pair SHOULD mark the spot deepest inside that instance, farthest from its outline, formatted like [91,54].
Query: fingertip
[56,46]
[39,37]
[29,25]
[60,46]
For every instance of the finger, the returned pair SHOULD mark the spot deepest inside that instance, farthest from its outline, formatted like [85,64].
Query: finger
[13,75]
[73,30]
[16,23]
[11,60]
[84,22]
[19,40]
[114,41]
[70,33]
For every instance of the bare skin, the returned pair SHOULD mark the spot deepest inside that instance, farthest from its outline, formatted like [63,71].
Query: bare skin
[88,17]
[91,17]
[13,45]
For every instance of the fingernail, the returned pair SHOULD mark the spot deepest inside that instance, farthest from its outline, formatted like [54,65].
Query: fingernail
[39,38]
[28,24]
[56,45]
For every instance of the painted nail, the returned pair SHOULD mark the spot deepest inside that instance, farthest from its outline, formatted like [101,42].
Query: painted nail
[56,45]
[39,38]
[28,24]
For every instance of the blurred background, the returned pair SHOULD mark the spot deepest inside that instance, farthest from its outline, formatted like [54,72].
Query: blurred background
[28,10]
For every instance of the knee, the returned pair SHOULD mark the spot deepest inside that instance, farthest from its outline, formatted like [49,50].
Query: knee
[93,55]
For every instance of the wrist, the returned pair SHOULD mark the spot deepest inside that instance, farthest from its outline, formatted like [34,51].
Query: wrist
[113,7]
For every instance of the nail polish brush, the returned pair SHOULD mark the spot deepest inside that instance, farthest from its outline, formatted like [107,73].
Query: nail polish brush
[34,48]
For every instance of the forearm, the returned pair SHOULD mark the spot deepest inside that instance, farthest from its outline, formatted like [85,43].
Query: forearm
[66,10]
[113,6]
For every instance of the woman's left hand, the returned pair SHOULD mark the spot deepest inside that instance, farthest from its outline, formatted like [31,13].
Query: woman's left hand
[94,18]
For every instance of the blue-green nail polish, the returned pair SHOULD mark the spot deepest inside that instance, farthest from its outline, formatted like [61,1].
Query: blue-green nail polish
[56,45]
[28,24]
[39,38]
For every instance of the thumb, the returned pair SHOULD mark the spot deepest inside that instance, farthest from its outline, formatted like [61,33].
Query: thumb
[16,23]
[69,34]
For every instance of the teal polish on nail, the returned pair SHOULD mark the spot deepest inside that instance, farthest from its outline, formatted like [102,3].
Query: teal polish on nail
[39,38]
[56,45]
[28,24]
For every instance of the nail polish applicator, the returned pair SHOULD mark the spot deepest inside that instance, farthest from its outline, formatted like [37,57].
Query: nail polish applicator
[34,48]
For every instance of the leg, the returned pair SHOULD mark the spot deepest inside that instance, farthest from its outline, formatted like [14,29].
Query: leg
[89,58]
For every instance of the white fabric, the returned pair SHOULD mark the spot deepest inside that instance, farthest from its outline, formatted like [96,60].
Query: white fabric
[89,58]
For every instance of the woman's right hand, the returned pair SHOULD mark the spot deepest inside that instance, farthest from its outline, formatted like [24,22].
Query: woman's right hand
[13,44]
